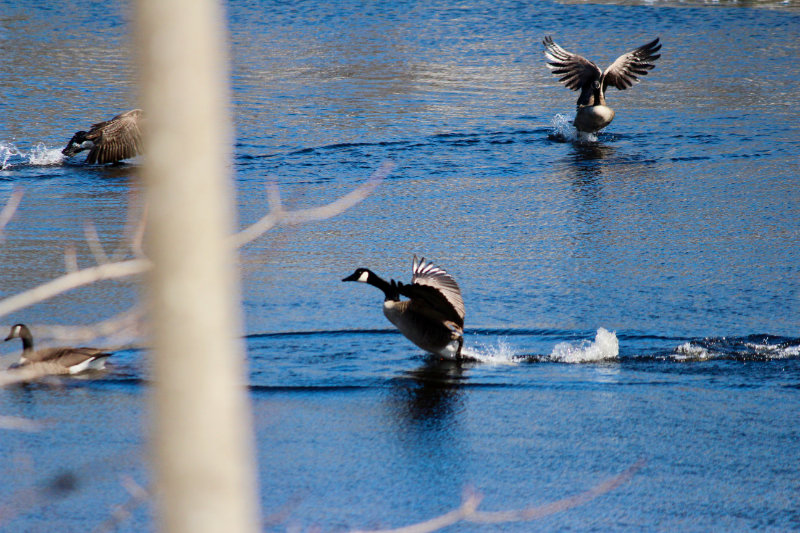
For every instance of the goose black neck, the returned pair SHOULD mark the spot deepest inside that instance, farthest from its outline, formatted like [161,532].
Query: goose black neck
[389,288]
[27,339]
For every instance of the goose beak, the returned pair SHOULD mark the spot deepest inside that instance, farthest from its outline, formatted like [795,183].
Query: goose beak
[9,337]
[351,277]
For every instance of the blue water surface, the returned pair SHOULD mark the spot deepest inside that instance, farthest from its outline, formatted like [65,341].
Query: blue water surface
[633,297]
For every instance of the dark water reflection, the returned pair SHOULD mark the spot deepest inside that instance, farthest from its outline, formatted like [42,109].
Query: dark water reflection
[676,231]
[431,393]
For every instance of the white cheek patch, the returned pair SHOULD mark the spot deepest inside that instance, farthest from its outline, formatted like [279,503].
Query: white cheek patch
[363,277]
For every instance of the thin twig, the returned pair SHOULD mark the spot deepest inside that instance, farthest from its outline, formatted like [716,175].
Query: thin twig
[30,372]
[277,215]
[71,281]
[17,423]
[535,513]
[93,240]
[468,511]
[138,236]
[70,258]
[124,268]
[10,208]
[138,495]
[129,320]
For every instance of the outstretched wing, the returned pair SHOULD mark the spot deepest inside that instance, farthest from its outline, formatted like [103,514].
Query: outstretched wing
[576,71]
[437,289]
[116,139]
[625,71]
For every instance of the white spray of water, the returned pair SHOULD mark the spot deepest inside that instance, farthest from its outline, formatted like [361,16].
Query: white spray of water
[40,155]
[691,352]
[605,347]
[564,130]
[501,354]
[6,152]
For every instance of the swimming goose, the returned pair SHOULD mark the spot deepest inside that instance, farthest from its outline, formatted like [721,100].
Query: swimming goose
[63,360]
[110,141]
[432,317]
[578,73]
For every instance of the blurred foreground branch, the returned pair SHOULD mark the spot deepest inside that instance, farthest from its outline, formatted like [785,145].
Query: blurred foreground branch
[468,511]
[130,267]
[10,208]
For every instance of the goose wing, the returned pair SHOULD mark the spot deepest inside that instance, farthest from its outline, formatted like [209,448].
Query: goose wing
[625,71]
[576,72]
[436,288]
[116,139]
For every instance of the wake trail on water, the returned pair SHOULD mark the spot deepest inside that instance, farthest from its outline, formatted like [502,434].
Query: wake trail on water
[604,347]
[752,348]
[39,155]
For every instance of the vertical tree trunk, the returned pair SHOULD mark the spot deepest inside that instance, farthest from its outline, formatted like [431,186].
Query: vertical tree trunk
[203,463]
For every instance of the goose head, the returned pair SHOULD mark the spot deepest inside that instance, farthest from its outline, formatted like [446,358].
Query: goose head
[363,275]
[77,144]
[18,331]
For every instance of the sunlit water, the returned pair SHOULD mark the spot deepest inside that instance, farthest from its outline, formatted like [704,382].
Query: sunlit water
[630,295]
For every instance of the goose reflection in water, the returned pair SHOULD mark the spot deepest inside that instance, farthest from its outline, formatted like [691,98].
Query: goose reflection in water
[432,392]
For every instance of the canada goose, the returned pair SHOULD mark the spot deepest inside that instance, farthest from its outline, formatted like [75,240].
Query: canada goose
[110,141]
[581,74]
[432,317]
[63,360]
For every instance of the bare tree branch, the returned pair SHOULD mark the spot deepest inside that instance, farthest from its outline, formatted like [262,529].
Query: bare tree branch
[535,513]
[138,495]
[10,208]
[71,258]
[132,234]
[93,240]
[468,511]
[17,423]
[131,267]
[71,281]
[278,216]
[30,372]
[127,323]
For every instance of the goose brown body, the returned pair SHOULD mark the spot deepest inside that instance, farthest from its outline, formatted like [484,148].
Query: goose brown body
[61,360]
[110,141]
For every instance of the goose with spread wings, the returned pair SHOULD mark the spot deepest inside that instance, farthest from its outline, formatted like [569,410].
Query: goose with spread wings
[580,74]
[433,315]
[110,141]
[62,360]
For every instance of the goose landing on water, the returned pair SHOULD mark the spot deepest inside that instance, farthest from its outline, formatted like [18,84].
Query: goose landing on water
[578,73]
[432,317]
[58,360]
[110,141]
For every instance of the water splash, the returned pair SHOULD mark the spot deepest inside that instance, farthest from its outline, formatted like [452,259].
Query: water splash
[605,347]
[691,352]
[499,354]
[6,152]
[41,155]
[564,131]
